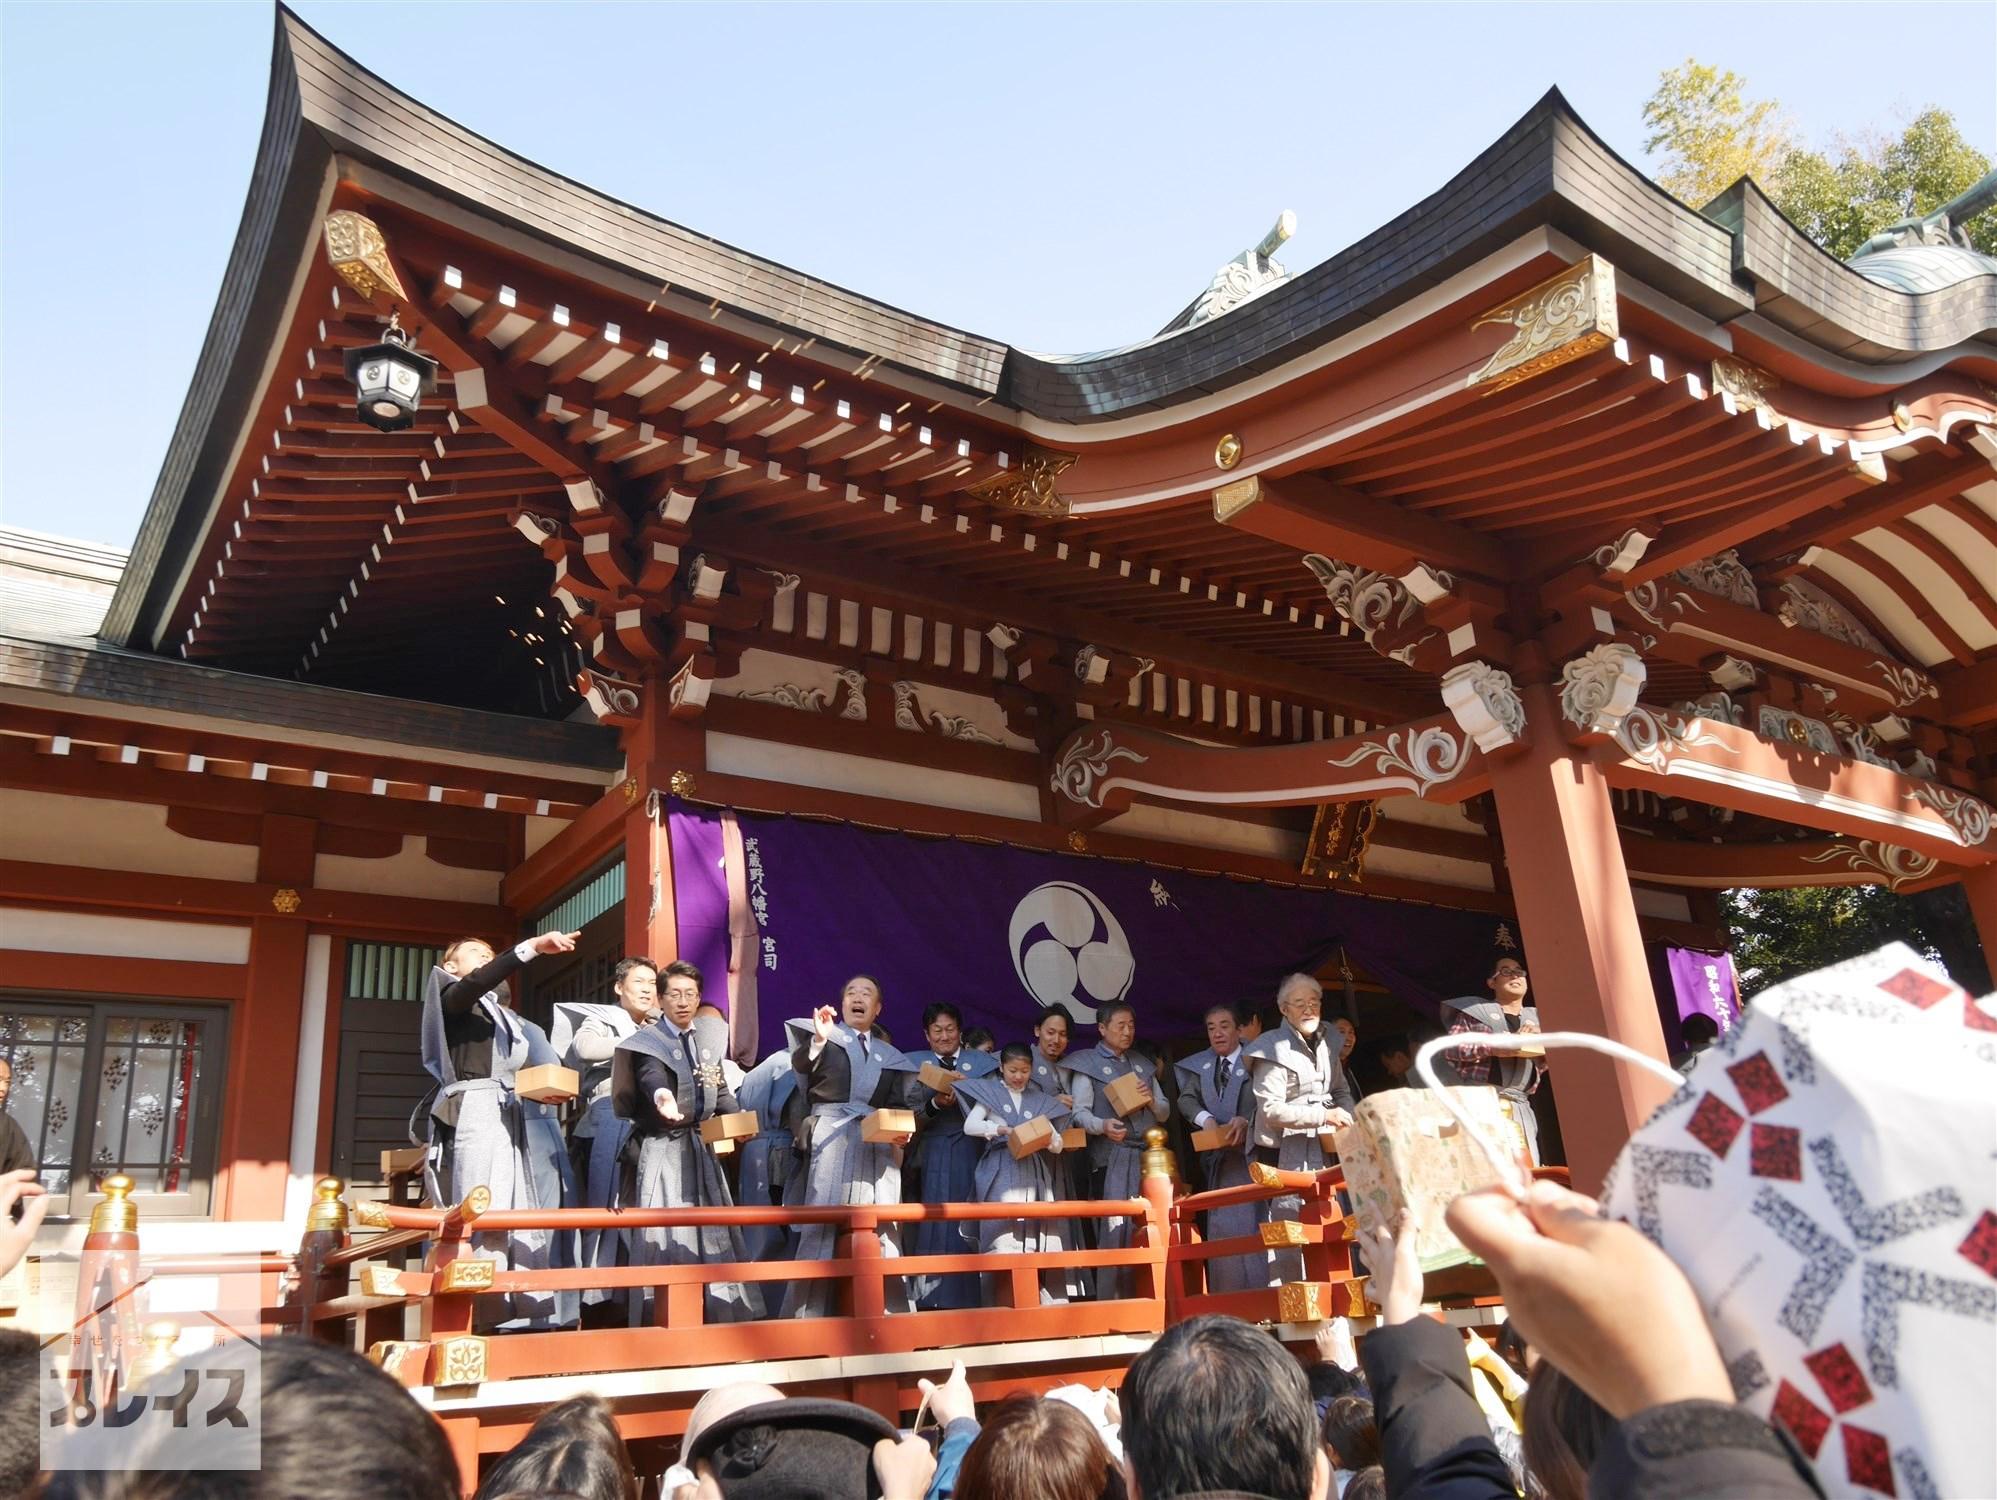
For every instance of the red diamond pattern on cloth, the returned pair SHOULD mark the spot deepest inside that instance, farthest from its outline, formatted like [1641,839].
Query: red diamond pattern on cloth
[1838,1373]
[1760,1085]
[1916,988]
[1776,1151]
[1980,1248]
[1867,1460]
[1975,1017]
[1714,1124]
[1804,1421]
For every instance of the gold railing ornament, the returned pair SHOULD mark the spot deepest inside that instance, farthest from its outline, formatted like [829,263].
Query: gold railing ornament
[370,1214]
[476,1202]
[328,1212]
[381,1281]
[1158,1158]
[395,1356]
[467,1274]
[1303,1301]
[1284,1234]
[461,1360]
[116,1213]
[1562,319]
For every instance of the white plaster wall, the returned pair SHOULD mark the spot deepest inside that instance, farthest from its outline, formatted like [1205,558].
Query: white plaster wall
[1437,869]
[1427,814]
[1667,904]
[129,937]
[540,830]
[98,833]
[736,755]
[1205,831]
[408,873]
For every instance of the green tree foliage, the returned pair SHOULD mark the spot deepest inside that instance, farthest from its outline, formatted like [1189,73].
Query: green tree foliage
[1708,133]
[1780,934]
[1711,134]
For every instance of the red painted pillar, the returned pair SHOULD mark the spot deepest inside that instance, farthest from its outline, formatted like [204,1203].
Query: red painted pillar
[263,1045]
[1583,947]
[1980,884]
[656,747]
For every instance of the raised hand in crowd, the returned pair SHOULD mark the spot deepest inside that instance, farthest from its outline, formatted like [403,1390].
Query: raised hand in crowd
[550,943]
[1595,1297]
[825,1021]
[905,1466]
[1393,1261]
[19,1187]
[951,1400]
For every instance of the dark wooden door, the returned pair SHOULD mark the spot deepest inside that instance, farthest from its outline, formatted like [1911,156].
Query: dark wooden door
[381,1078]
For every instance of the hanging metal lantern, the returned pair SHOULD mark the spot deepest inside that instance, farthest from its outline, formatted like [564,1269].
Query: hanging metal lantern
[390,379]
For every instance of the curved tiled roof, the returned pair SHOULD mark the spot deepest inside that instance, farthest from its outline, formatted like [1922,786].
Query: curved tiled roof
[1548,170]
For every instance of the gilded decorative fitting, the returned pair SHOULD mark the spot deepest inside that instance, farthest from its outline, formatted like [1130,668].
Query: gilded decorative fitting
[285,900]
[116,1213]
[681,784]
[1158,1160]
[371,1215]
[329,1209]
[1029,489]
[467,1274]
[1303,1302]
[476,1202]
[1230,500]
[1902,417]
[460,1360]
[396,1355]
[1748,384]
[1357,1304]
[1263,1175]
[381,1281]
[1283,1234]
[1078,841]
[1227,452]
[630,790]
[1562,319]
[358,252]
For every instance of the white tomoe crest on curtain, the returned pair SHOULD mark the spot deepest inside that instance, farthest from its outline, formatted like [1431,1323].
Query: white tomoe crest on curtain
[1069,950]
[1825,1178]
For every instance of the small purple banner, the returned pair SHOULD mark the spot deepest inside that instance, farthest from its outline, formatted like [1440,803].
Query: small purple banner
[1704,984]
[1007,933]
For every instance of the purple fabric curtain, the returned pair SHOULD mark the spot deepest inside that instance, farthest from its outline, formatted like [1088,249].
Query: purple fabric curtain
[1005,933]
[1702,984]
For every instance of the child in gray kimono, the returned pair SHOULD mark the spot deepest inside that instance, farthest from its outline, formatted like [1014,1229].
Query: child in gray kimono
[996,1107]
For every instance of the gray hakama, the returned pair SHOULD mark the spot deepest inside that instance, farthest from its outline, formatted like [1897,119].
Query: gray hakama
[948,1162]
[483,1134]
[676,1168]
[1002,1178]
[1297,1083]
[1121,1162]
[1225,1168]
[843,1168]
[769,1161]
[1515,1078]
[599,1133]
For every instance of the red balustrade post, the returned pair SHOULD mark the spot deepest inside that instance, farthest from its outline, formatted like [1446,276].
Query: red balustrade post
[867,1293]
[311,1282]
[1158,1174]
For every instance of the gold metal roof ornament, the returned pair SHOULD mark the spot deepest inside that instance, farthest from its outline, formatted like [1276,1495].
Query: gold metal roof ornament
[1562,319]
[358,251]
[1029,489]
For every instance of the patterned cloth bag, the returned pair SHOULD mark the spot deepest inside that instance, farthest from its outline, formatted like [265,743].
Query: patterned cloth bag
[1826,1178]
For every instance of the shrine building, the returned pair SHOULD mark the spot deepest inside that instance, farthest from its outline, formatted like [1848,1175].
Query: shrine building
[1525,573]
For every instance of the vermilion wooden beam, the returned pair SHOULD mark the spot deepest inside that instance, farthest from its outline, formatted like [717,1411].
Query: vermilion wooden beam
[1969,695]
[1917,484]
[1315,515]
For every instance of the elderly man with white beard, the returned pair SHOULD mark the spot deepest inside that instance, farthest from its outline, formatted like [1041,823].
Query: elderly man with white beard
[1300,1091]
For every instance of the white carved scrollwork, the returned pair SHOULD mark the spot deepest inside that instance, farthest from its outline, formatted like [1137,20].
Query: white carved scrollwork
[1725,576]
[1898,866]
[1785,728]
[609,697]
[1660,605]
[1719,707]
[1969,816]
[1426,758]
[536,528]
[1486,704]
[849,697]
[1624,553]
[910,714]
[1909,685]
[689,692]
[1598,689]
[1653,740]
[1091,665]
[1807,607]
[1080,771]
[1372,601]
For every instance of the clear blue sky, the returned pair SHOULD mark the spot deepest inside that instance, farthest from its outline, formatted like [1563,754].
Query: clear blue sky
[1061,177]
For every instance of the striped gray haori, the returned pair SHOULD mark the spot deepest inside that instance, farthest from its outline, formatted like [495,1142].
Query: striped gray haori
[586,1036]
[1003,1178]
[1070,1169]
[510,1147]
[1199,1093]
[1120,1163]
[945,1162]
[676,1168]
[769,1162]
[843,1084]
[1297,1083]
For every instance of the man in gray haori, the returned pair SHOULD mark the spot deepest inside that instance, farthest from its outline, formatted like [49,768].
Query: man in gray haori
[587,1036]
[769,1161]
[667,1080]
[1515,1077]
[846,1071]
[1214,1094]
[479,1131]
[1116,1141]
[1300,1092]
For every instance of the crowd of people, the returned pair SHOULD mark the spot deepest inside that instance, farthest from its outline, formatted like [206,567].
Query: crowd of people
[1625,1395]
[655,1075]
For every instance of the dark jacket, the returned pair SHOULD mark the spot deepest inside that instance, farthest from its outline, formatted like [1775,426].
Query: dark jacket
[15,1153]
[1435,1446]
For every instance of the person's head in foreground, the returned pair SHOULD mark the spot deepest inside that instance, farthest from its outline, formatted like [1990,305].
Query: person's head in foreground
[1218,1406]
[1046,1449]
[1563,1433]
[330,1424]
[1350,1436]
[798,1449]
[573,1449]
